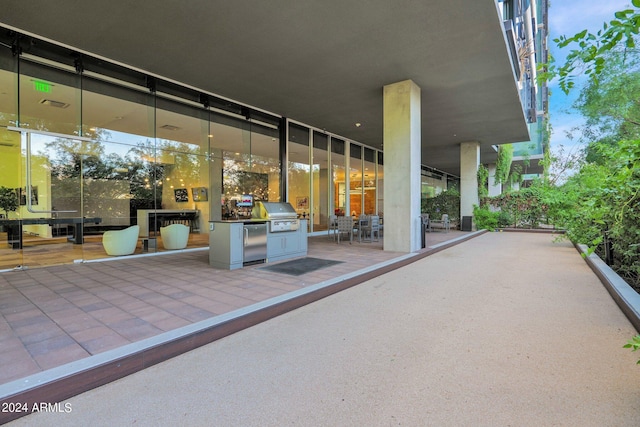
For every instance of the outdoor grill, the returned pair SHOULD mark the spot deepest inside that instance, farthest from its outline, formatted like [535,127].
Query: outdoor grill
[281,216]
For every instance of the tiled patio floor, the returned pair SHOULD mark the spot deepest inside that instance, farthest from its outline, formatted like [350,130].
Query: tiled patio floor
[55,315]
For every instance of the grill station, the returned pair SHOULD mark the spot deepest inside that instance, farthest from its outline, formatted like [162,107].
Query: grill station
[274,233]
[280,216]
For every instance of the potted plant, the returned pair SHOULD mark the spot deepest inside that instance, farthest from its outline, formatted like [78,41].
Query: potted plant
[8,200]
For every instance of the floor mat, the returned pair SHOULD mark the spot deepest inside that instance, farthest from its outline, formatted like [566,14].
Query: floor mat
[300,266]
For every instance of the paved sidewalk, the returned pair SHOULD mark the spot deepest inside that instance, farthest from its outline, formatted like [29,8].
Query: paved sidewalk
[506,329]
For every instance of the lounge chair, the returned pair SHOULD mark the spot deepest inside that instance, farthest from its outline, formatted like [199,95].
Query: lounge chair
[121,242]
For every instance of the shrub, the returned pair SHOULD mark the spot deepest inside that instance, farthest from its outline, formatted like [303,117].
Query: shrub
[485,219]
[504,219]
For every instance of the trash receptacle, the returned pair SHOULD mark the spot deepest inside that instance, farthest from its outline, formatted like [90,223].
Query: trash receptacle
[467,223]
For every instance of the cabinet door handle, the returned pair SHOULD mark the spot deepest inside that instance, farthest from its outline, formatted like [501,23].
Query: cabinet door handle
[246,236]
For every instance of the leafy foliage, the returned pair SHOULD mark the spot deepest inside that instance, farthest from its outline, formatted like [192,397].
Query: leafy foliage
[525,208]
[8,200]
[633,344]
[603,197]
[588,57]
[484,218]
[503,163]
[447,202]
[483,180]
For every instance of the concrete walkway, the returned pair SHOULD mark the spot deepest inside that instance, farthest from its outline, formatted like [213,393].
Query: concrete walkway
[507,329]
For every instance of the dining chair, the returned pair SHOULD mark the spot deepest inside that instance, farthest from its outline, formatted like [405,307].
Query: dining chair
[332,227]
[360,224]
[345,225]
[371,228]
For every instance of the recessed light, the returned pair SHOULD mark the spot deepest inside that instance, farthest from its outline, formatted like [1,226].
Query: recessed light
[358,124]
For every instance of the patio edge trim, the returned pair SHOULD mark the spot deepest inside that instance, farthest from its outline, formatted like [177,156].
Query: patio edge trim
[622,293]
[66,381]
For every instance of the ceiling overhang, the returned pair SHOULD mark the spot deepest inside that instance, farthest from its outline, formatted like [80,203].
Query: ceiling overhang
[323,63]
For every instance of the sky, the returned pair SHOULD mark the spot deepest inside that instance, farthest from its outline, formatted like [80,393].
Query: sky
[568,17]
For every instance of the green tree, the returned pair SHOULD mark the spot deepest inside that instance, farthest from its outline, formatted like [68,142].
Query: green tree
[503,163]
[590,51]
[611,105]
[603,198]
[8,200]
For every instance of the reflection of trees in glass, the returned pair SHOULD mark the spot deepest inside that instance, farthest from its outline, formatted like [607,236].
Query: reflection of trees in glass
[141,167]
[299,178]
[237,182]
[249,175]
[183,163]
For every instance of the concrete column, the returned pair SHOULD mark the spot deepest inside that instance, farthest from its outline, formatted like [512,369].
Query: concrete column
[469,162]
[495,188]
[402,151]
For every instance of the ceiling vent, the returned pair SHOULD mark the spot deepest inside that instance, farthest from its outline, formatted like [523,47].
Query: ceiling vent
[169,127]
[52,103]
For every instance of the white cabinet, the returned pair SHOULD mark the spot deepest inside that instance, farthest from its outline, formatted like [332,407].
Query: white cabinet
[287,244]
[226,245]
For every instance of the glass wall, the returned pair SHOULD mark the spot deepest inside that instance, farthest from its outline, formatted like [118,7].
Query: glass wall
[320,197]
[380,186]
[11,164]
[356,188]
[245,160]
[369,182]
[433,182]
[338,177]
[299,170]
[86,150]
[81,155]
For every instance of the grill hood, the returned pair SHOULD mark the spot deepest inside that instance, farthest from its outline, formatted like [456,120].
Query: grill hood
[273,210]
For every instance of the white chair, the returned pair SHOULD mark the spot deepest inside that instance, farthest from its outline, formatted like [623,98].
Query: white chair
[175,236]
[442,223]
[121,242]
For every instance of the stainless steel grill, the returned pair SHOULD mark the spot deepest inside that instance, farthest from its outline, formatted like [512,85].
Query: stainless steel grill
[281,216]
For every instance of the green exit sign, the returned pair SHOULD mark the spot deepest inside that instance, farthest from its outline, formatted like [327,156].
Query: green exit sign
[40,86]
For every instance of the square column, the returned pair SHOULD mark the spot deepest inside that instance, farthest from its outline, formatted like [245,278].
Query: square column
[495,188]
[402,152]
[469,162]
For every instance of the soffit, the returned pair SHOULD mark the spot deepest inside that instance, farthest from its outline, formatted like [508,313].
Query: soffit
[320,63]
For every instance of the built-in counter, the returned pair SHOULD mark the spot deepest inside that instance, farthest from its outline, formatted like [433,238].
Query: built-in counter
[228,240]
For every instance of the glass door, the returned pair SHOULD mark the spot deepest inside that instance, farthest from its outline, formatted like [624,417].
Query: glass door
[49,223]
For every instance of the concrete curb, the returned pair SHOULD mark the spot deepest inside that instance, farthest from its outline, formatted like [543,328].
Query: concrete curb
[624,295]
